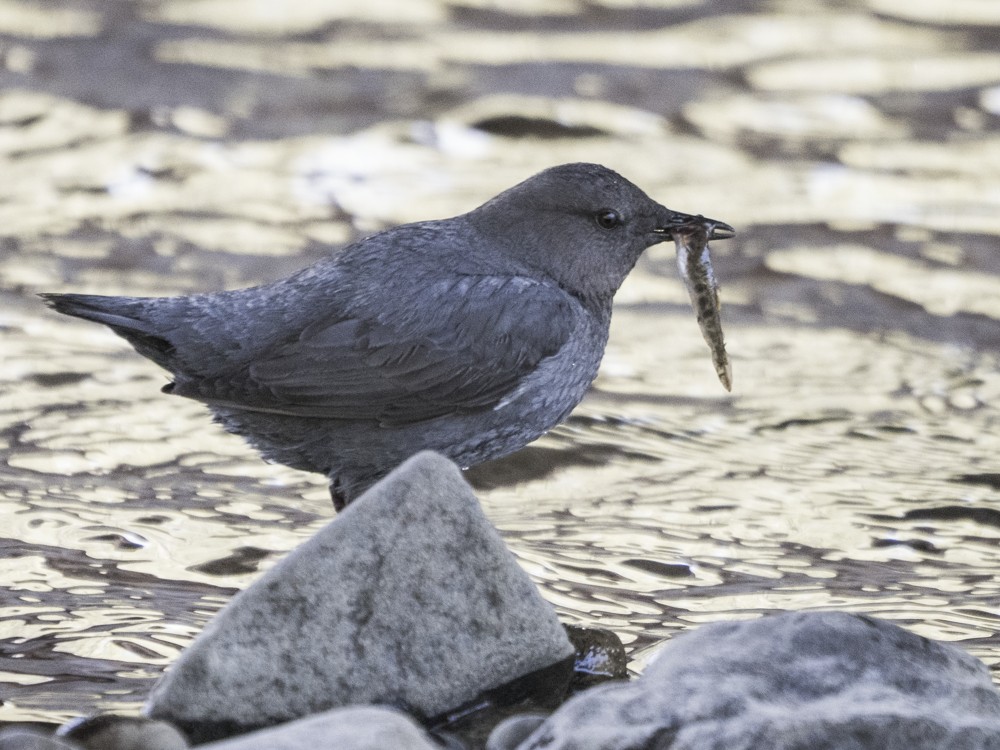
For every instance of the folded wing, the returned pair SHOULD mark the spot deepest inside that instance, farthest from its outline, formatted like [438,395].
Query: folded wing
[463,349]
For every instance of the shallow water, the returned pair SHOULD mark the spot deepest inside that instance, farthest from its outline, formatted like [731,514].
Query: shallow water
[177,146]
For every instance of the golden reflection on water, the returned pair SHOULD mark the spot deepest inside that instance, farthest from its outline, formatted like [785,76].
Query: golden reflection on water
[22,19]
[872,75]
[954,12]
[940,291]
[853,467]
[714,42]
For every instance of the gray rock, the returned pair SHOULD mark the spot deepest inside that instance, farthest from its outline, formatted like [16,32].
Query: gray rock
[797,681]
[20,738]
[511,732]
[409,598]
[114,732]
[351,728]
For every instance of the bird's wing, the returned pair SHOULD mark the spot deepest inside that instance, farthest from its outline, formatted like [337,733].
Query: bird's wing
[453,352]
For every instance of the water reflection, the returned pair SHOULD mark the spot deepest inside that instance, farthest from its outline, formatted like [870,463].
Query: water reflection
[854,466]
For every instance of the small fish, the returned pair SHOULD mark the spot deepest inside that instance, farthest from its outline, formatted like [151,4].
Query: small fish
[695,265]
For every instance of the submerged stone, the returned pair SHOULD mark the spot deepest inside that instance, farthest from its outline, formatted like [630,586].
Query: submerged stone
[409,598]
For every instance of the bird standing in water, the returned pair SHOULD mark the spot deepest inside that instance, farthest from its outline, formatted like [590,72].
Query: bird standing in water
[471,336]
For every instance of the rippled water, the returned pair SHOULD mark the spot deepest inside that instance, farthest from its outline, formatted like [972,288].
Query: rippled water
[179,146]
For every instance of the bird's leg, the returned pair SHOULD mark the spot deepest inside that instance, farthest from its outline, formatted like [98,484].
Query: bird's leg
[339,494]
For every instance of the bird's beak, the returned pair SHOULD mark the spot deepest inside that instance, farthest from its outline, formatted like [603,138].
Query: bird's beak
[676,221]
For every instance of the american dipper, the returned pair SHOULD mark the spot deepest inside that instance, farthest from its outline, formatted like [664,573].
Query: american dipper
[471,336]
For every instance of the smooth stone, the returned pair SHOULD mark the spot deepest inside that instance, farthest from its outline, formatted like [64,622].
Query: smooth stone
[795,681]
[351,728]
[511,732]
[114,732]
[409,598]
[19,738]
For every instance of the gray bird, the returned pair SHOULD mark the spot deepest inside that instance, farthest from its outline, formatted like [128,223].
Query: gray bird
[471,336]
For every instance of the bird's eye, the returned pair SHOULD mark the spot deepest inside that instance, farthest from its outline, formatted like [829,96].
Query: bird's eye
[608,218]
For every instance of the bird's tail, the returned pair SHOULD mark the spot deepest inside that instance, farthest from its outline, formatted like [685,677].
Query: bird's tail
[123,315]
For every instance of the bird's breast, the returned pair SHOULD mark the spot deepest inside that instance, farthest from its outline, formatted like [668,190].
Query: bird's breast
[561,380]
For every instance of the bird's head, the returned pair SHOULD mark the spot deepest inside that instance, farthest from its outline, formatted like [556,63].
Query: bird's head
[581,225]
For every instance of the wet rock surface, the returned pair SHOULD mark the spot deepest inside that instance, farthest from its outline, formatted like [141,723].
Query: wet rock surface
[600,656]
[789,682]
[409,598]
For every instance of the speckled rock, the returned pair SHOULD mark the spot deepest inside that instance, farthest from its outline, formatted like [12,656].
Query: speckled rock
[408,598]
[797,681]
[352,728]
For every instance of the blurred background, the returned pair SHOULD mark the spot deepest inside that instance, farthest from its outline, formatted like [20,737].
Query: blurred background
[175,146]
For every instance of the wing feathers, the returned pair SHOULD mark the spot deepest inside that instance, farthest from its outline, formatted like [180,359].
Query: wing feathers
[448,354]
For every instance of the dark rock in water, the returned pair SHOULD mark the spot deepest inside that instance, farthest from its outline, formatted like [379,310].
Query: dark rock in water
[797,681]
[409,598]
[113,732]
[600,656]
[20,738]
[351,728]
